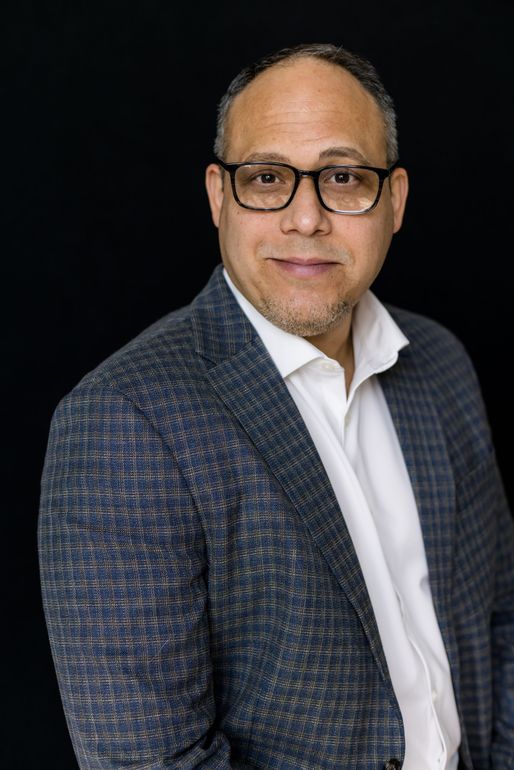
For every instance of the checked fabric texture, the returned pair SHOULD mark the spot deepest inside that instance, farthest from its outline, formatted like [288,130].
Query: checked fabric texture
[204,603]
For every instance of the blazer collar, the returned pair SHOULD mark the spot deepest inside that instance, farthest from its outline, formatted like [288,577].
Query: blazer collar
[220,329]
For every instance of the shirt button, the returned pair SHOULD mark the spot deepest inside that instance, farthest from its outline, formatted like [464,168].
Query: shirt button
[434,696]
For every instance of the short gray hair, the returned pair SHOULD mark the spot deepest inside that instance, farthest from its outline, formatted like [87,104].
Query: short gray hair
[357,66]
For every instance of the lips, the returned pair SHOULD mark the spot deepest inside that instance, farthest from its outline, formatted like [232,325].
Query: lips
[304,268]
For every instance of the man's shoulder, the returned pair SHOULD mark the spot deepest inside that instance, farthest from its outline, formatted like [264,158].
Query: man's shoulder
[151,355]
[164,366]
[419,324]
[432,344]
[437,357]
[158,362]
[436,366]
[170,339]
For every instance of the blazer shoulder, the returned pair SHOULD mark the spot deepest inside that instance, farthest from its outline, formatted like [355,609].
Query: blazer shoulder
[437,350]
[440,364]
[160,354]
[426,334]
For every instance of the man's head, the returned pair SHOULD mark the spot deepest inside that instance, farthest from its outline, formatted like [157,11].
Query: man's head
[360,68]
[305,267]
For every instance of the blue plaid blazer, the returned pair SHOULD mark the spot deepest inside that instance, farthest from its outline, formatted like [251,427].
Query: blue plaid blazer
[204,602]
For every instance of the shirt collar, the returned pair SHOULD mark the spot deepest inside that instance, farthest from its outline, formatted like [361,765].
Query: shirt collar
[376,338]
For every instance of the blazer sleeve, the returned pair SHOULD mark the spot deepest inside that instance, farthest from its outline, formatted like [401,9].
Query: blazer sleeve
[123,574]
[503,638]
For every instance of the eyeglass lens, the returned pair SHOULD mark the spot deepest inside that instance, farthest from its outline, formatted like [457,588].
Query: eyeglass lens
[341,188]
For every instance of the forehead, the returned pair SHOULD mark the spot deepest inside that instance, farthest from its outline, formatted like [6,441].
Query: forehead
[299,108]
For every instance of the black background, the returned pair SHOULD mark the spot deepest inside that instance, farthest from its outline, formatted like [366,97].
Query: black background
[108,117]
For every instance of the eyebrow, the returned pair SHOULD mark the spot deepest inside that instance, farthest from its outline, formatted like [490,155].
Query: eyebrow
[350,153]
[344,152]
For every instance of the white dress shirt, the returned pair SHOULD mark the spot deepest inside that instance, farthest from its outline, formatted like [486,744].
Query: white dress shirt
[358,445]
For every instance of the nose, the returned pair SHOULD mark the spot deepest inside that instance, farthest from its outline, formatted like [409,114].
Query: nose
[305,214]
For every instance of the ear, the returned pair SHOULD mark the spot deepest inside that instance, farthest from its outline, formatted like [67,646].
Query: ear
[399,183]
[214,186]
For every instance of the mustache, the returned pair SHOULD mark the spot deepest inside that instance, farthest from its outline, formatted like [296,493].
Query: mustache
[306,250]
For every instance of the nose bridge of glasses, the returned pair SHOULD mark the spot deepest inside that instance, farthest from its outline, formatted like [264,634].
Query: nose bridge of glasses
[314,175]
[303,172]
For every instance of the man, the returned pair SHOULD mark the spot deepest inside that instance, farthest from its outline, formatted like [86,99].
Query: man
[272,530]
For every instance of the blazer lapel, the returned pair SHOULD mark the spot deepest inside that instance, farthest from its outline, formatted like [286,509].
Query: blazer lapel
[426,456]
[245,378]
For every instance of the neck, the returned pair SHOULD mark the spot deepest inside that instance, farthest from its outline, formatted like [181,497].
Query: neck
[337,343]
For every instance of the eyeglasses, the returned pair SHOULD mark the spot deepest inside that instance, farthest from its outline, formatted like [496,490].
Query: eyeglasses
[262,186]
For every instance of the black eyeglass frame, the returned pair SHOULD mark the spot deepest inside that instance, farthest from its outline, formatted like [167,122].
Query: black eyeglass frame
[382,173]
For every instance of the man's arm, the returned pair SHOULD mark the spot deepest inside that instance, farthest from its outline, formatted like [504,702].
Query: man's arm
[503,641]
[123,572]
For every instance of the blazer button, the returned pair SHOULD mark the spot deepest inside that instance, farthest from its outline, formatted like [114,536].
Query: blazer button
[393,764]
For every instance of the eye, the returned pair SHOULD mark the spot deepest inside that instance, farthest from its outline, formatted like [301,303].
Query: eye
[263,176]
[266,177]
[342,177]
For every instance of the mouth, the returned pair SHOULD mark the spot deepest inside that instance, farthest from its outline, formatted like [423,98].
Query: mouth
[304,268]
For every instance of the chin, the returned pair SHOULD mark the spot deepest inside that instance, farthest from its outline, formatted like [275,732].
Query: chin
[305,321]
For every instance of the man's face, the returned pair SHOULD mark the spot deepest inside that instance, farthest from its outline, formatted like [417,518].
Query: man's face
[304,267]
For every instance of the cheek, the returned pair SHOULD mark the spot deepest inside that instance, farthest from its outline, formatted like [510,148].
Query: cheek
[380,235]
[368,240]
[241,234]
[230,233]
